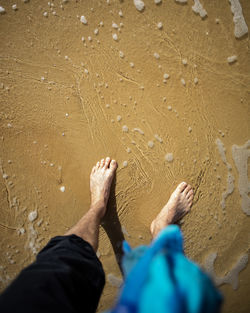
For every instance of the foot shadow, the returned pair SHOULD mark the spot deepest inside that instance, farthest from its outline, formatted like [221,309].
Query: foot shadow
[112,226]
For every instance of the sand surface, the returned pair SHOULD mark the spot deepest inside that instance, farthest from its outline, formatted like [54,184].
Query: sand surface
[66,103]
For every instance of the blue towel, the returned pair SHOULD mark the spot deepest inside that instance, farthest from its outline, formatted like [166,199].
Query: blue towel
[160,279]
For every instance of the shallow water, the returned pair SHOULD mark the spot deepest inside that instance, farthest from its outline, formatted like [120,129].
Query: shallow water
[164,102]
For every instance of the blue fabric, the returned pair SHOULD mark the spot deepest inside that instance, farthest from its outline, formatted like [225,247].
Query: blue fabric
[160,279]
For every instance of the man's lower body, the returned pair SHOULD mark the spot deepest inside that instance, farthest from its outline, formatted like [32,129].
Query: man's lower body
[67,276]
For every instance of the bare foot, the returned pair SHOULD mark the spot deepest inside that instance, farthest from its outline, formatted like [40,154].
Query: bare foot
[101,177]
[178,205]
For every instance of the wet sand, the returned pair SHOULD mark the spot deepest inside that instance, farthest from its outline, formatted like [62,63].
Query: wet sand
[66,103]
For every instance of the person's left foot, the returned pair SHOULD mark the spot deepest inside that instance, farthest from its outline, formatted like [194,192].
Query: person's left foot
[177,206]
[101,177]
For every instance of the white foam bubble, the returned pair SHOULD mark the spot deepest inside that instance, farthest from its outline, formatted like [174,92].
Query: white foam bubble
[139,4]
[232,276]
[32,243]
[239,266]
[2,10]
[114,281]
[240,26]
[198,9]
[125,128]
[115,37]
[136,129]
[156,55]
[230,189]
[124,231]
[32,215]
[230,177]
[62,188]
[21,231]
[240,156]
[232,59]
[150,144]
[125,163]
[83,19]
[114,25]
[159,25]
[183,81]
[157,137]
[169,157]
[222,150]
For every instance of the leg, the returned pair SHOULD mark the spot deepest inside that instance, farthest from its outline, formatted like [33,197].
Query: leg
[100,181]
[178,205]
[66,276]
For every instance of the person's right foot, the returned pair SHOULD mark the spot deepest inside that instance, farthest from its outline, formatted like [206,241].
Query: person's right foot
[101,178]
[178,205]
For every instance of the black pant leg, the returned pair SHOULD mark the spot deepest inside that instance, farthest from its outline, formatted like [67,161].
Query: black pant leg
[67,277]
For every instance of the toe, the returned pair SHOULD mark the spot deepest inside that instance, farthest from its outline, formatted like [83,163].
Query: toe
[97,165]
[190,199]
[113,165]
[107,162]
[190,194]
[190,202]
[187,189]
[102,163]
[93,169]
[181,187]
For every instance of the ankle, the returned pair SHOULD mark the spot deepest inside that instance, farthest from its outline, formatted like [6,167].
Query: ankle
[157,227]
[153,230]
[98,208]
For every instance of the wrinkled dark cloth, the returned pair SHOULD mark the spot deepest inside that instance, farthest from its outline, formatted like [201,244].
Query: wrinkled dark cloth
[67,277]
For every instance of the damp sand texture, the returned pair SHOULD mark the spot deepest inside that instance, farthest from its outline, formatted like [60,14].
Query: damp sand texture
[160,86]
